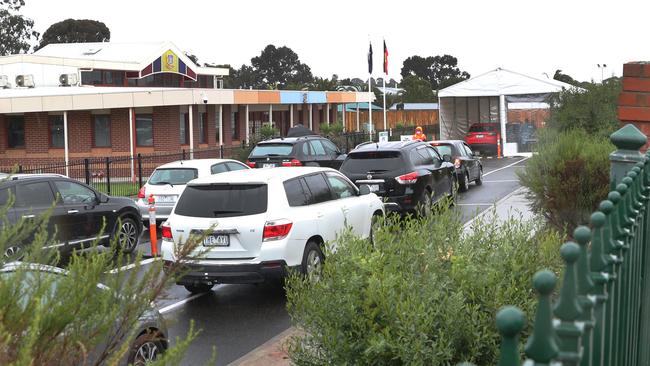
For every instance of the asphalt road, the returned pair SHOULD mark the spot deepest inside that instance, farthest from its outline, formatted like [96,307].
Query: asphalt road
[235,319]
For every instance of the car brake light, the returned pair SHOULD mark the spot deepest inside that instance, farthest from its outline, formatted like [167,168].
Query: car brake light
[250,163]
[141,192]
[166,231]
[410,178]
[292,162]
[457,163]
[276,230]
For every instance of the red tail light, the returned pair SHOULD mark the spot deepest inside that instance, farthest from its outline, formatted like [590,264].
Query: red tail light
[250,163]
[276,230]
[410,178]
[166,232]
[292,162]
[142,193]
[457,163]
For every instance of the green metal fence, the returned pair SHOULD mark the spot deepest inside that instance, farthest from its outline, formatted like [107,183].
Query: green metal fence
[602,313]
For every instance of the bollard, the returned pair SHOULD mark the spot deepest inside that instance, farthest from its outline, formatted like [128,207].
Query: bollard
[153,236]
[499,146]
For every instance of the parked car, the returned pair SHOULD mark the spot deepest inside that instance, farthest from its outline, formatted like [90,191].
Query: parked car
[409,174]
[262,221]
[168,181]
[150,341]
[468,166]
[296,151]
[78,214]
[483,137]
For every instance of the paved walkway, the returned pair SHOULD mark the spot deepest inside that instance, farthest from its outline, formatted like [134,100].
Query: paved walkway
[272,353]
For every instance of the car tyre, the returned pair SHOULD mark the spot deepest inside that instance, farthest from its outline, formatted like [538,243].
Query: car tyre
[199,288]
[146,349]
[375,221]
[128,234]
[426,203]
[479,180]
[464,182]
[312,260]
[14,252]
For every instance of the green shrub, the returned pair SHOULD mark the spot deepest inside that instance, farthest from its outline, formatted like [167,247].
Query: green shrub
[423,294]
[568,176]
[268,131]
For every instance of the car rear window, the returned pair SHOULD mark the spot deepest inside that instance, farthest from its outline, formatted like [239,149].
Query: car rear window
[223,200]
[173,176]
[372,161]
[482,128]
[272,150]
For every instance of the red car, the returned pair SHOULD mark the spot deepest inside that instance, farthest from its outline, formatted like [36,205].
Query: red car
[483,137]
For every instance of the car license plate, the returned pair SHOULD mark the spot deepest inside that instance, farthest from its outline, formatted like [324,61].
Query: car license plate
[268,165]
[166,199]
[479,136]
[216,241]
[374,187]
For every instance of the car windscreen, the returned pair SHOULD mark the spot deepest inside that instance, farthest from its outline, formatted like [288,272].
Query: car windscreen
[278,149]
[173,176]
[482,128]
[223,200]
[445,149]
[362,162]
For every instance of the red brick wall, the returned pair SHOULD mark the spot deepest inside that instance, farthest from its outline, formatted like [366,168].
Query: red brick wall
[316,113]
[37,132]
[80,131]
[120,131]
[3,134]
[634,100]
[241,124]
[166,128]
[212,125]
[226,121]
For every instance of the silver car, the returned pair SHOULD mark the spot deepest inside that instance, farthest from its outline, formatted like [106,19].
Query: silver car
[168,181]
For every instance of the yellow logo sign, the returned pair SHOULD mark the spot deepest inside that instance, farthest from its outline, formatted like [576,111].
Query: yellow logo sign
[169,62]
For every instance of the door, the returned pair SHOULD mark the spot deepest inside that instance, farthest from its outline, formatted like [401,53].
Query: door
[34,199]
[333,154]
[83,211]
[306,155]
[439,174]
[319,153]
[346,197]
[331,219]
[472,162]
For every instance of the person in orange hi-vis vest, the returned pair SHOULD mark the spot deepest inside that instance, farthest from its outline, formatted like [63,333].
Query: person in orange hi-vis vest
[419,135]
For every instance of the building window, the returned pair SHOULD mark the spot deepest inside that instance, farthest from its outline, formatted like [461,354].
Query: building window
[102,130]
[57,137]
[102,77]
[144,130]
[184,124]
[233,125]
[203,128]
[216,126]
[16,132]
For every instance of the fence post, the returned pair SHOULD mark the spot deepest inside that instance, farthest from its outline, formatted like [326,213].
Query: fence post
[601,280]
[183,154]
[628,140]
[87,171]
[510,322]
[582,235]
[568,309]
[541,347]
[643,352]
[220,151]
[139,170]
[108,176]
[20,168]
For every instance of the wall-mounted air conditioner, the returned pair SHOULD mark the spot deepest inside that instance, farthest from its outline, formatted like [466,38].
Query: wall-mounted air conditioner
[25,81]
[68,79]
[4,82]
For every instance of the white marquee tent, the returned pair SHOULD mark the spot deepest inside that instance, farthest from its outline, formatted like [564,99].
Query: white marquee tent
[484,98]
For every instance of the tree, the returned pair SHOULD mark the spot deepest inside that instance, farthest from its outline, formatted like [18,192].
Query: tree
[76,31]
[276,67]
[193,58]
[559,76]
[416,90]
[440,71]
[16,31]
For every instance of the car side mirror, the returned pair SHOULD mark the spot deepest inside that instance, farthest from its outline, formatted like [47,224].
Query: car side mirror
[102,198]
[446,158]
[364,190]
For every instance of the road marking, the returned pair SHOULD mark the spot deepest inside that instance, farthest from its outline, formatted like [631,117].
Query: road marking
[506,167]
[132,265]
[484,212]
[474,204]
[173,306]
[501,181]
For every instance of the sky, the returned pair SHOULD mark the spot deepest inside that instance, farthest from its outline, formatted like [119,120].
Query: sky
[531,37]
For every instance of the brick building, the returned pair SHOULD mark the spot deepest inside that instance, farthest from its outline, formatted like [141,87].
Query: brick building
[81,100]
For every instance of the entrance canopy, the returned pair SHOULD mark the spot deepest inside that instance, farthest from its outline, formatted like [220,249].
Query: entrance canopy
[484,99]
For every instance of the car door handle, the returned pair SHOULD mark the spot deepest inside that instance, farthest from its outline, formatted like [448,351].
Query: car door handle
[28,216]
[71,212]
[345,209]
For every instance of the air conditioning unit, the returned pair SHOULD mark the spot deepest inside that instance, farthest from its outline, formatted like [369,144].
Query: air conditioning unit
[68,79]
[25,81]
[4,82]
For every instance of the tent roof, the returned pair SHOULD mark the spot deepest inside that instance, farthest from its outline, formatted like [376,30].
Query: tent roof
[503,82]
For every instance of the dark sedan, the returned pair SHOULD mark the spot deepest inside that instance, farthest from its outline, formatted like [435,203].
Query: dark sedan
[468,166]
[79,213]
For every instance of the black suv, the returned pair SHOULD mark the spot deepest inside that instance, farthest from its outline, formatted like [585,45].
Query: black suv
[296,151]
[411,175]
[78,212]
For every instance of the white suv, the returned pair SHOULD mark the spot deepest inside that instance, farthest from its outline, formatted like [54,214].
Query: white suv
[264,220]
[168,181]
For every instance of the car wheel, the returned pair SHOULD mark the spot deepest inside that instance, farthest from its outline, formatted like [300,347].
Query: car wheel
[464,182]
[200,288]
[312,260]
[479,180]
[426,203]
[375,222]
[147,348]
[14,252]
[128,234]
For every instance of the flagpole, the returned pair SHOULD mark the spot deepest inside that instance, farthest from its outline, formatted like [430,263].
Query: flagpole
[370,105]
[384,85]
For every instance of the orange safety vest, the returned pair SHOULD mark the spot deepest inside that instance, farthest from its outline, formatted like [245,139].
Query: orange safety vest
[419,136]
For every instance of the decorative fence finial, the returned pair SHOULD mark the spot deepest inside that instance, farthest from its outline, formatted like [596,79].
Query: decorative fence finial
[541,346]
[510,322]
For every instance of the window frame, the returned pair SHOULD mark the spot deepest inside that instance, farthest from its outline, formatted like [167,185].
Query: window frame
[94,130]
[51,120]
[186,125]
[355,190]
[312,195]
[203,127]
[9,120]
[138,144]
[59,194]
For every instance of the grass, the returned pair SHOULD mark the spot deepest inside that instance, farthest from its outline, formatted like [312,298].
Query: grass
[125,189]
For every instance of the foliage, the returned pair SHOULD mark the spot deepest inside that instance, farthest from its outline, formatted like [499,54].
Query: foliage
[65,320]
[276,67]
[423,294]
[16,31]
[592,109]
[76,31]
[568,176]
[560,76]
[439,71]
[268,131]
[416,90]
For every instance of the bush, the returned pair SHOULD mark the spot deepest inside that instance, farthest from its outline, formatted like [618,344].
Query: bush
[268,131]
[568,177]
[422,295]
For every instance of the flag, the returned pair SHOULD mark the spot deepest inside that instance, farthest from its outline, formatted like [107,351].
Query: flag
[370,59]
[385,58]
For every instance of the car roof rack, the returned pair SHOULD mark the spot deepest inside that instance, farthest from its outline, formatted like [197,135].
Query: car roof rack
[36,175]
